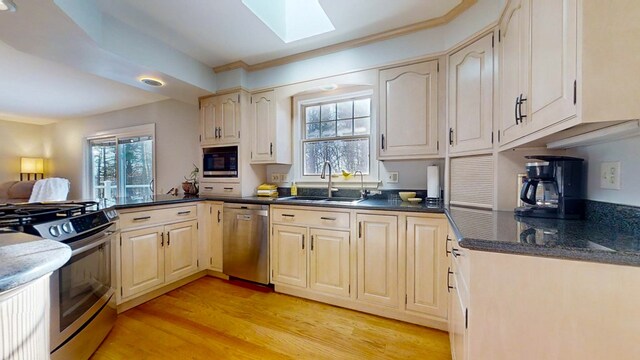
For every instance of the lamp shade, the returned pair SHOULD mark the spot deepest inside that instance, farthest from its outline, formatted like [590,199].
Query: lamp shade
[31,165]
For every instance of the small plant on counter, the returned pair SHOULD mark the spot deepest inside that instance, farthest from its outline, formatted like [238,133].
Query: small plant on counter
[190,185]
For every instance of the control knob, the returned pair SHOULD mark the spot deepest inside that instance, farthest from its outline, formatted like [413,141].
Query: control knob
[67,228]
[54,231]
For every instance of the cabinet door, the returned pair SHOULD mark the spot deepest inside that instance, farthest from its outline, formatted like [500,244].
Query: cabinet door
[181,250]
[553,61]
[409,111]
[142,257]
[514,68]
[289,255]
[426,266]
[208,121]
[378,259]
[471,97]
[329,261]
[215,233]
[229,118]
[263,127]
[458,317]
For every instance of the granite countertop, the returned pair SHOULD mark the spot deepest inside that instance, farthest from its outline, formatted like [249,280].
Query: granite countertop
[24,258]
[583,240]
[129,202]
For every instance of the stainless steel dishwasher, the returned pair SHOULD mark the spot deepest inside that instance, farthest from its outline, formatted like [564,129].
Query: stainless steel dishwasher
[245,253]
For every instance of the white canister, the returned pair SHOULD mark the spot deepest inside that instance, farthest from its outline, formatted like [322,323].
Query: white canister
[433,182]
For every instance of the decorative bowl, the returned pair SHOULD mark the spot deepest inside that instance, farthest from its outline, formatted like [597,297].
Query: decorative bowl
[405,195]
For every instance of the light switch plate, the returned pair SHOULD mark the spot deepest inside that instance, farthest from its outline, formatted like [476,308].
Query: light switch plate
[393,177]
[610,175]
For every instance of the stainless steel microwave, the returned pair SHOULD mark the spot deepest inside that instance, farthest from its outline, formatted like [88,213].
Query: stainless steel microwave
[220,162]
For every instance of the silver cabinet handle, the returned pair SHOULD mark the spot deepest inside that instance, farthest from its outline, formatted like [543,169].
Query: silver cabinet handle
[184,212]
[142,218]
[328,218]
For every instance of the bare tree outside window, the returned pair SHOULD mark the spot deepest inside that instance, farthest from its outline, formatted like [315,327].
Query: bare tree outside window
[339,132]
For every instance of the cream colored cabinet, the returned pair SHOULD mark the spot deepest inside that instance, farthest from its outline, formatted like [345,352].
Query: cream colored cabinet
[514,70]
[270,128]
[181,251]
[471,97]
[289,255]
[142,260]
[215,240]
[408,118]
[457,317]
[553,27]
[377,259]
[220,119]
[426,266]
[329,261]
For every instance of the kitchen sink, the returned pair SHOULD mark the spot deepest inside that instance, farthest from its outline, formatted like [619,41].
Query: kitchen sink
[321,199]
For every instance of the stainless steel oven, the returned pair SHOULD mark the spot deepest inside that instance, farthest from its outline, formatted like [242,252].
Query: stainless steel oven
[220,162]
[82,295]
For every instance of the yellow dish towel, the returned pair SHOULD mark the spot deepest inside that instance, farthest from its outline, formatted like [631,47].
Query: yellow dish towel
[268,187]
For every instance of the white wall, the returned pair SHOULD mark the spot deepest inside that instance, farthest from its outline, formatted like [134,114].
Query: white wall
[18,140]
[177,146]
[626,151]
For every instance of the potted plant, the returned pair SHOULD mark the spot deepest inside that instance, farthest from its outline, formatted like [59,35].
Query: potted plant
[190,185]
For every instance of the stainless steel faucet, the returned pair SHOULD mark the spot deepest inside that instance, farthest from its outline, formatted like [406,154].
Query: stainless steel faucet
[323,176]
[363,192]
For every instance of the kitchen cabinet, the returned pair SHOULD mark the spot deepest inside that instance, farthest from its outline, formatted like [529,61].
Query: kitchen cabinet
[377,259]
[142,264]
[458,315]
[408,117]
[270,128]
[220,119]
[329,261]
[289,257]
[471,97]
[181,251]
[426,265]
[215,239]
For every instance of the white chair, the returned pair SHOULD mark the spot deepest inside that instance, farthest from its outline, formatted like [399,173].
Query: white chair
[50,189]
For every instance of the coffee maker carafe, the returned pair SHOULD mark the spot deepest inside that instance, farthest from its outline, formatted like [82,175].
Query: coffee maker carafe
[553,188]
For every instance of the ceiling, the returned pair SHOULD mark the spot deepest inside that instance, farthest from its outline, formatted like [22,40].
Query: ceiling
[63,59]
[222,31]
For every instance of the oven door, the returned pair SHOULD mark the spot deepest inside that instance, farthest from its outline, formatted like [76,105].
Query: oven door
[83,286]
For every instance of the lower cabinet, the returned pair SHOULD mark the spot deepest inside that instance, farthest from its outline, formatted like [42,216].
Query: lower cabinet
[289,256]
[211,233]
[157,255]
[329,261]
[378,259]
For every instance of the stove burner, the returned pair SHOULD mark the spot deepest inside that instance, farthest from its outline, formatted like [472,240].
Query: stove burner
[34,213]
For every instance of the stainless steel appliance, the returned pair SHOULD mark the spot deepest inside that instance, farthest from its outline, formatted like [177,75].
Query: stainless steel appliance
[553,188]
[220,162]
[246,242]
[82,305]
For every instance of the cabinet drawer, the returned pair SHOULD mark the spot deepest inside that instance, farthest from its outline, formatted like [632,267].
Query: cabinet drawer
[460,256]
[220,189]
[158,216]
[311,217]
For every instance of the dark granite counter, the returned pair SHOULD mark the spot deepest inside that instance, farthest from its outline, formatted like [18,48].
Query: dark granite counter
[127,202]
[584,240]
[24,258]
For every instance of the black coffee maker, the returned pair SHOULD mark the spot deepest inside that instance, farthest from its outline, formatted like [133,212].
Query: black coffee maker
[553,188]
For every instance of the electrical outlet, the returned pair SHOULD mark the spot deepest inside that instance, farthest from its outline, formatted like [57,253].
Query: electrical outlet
[275,178]
[610,175]
[393,177]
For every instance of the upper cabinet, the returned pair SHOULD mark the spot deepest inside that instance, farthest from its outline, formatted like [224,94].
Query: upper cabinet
[471,97]
[408,117]
[220,119]
[270,129]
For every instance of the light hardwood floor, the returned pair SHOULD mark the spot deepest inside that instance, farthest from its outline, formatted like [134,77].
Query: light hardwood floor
[214,319]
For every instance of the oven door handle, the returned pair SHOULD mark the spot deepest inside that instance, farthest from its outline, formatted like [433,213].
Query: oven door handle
[105,239]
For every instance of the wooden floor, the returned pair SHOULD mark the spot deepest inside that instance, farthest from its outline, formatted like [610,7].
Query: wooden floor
[214,319]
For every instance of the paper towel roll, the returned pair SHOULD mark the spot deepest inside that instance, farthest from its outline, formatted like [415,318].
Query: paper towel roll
[433,182]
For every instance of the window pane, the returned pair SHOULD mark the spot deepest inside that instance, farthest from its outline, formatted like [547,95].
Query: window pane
[136,166]
[312,114]
[350,155]
[313,131]
[362,126]
[362,107]
[345,110]
[328,129]
[103,168]
[345,127]
[328,112]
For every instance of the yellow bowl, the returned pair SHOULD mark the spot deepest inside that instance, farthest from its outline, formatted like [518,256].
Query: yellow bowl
[405,195]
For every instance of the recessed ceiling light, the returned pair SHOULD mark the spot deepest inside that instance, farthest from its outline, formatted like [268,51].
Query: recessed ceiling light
[292,20]
[7,5]
[152,82]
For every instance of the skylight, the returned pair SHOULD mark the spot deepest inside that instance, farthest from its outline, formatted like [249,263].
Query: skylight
[291,20]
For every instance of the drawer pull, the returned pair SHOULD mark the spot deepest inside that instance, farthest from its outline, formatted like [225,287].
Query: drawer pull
[228,189]
[184,212]
[288,215]
[449,273]
[455,252]
[142,218]
[208,187]
[446,247]
[328,218]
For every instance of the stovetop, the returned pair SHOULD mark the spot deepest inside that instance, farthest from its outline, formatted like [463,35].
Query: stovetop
[60,221]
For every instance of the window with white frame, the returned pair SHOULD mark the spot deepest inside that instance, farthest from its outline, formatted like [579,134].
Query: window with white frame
[121,163]
[338,131]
